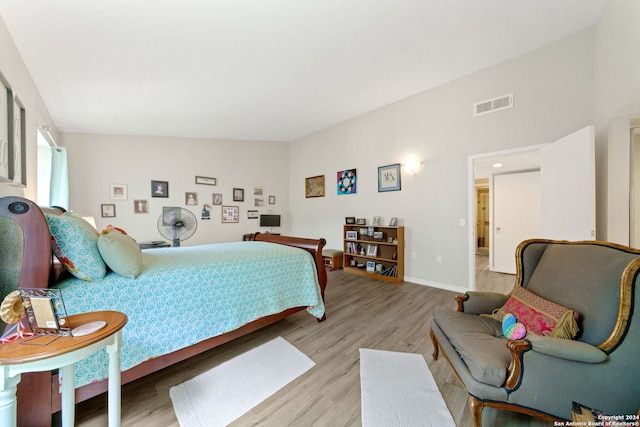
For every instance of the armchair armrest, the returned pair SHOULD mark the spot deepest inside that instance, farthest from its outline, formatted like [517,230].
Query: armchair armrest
[476,302]
[576,351]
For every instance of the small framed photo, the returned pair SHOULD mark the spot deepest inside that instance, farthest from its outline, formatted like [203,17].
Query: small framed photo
[378,235]
[205,180]
[217,199]
[364,231]
[372,250]
[393,222]
[371,266]
[350,220]
[272,200]
[257,191]
[191,199]
[118,191]
[258,202]
[252,214]
[141,206]
[238,194]
[352,235]
[314,186]
[376,220]
[389,178]
[361,221]
[159,189]
[230,214]
[108,210]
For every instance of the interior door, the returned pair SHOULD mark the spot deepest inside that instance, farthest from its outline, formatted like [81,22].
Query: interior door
[516,216]
[568,187]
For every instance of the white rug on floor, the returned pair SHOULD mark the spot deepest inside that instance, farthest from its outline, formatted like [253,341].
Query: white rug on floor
[226,392]
[398,389]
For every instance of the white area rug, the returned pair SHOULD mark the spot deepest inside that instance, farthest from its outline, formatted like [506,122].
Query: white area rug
[226,392]
[398,389]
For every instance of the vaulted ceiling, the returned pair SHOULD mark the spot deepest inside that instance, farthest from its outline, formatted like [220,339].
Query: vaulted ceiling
[263,69]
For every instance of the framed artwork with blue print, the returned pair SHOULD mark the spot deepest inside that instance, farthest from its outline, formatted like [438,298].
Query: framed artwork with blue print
[389,178]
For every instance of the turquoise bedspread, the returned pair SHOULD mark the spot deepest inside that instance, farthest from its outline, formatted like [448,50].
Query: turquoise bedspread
[188,294]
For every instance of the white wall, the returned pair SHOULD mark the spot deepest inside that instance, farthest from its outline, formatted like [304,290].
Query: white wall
[553,92]
[96,161]
[617,101]
[17,76]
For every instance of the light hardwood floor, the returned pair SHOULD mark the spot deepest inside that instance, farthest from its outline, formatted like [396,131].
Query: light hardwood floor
[361,313]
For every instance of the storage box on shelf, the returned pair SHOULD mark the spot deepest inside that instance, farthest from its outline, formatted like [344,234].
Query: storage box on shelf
[374,251]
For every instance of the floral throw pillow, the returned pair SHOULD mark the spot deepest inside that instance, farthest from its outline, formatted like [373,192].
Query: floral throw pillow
[540,316]
[75,244]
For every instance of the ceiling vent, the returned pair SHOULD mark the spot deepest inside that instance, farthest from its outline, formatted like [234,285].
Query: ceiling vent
[493,105]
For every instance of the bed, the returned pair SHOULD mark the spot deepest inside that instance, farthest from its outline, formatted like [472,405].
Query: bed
[182,302]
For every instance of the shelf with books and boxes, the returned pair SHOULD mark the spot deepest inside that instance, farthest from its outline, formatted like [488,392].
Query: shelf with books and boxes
[374,251]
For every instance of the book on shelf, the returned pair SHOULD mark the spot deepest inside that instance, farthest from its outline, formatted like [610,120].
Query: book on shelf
[391,271]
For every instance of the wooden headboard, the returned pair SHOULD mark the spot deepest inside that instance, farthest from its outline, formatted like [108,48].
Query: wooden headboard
[31,243]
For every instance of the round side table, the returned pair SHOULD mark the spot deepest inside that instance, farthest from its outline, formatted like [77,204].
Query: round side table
[17,358]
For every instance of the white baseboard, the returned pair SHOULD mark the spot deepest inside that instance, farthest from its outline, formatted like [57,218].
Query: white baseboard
[445,286]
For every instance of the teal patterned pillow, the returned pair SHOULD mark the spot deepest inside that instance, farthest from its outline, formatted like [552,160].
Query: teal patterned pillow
[75,243]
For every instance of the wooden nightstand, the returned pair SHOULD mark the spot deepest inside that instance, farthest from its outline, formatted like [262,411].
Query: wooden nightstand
[17,358]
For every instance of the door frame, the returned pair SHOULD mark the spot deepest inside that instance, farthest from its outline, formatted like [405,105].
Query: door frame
[471,202]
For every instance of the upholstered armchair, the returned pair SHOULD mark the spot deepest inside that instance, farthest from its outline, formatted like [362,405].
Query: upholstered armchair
[540,374]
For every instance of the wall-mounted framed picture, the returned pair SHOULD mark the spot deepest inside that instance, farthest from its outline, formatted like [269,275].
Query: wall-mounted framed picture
[217,199]
[238,194]
[252,214]
[118,192]
[141,206]
[314,186]
[272,200]
[347,182]
[108,210]
[190,198]
[159,189]
[204,180]
[389,178]
[230,214]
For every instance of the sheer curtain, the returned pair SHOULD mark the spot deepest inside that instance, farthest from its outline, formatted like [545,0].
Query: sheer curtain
[59,187]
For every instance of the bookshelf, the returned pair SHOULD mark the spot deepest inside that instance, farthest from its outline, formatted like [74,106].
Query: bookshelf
[375,251]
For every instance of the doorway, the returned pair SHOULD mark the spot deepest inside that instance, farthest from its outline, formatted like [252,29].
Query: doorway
[482,216]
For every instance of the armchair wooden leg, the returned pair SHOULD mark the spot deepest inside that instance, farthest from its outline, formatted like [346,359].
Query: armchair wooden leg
[476,406]
[436,346]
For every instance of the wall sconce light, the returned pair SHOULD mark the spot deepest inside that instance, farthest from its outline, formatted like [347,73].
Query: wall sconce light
[412,165]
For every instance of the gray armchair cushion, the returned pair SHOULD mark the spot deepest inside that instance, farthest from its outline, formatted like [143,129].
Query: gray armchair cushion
[478,341]
[566,349]
[483,302]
